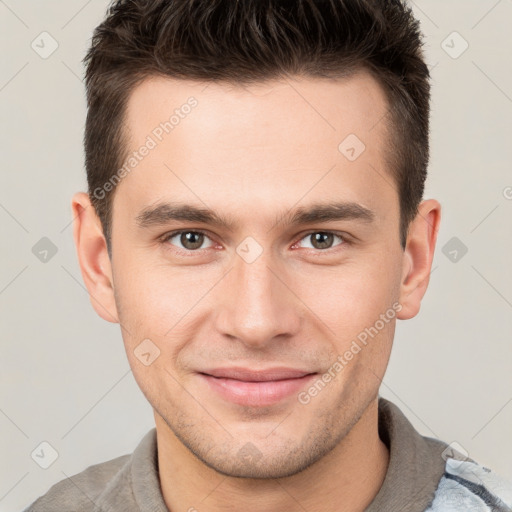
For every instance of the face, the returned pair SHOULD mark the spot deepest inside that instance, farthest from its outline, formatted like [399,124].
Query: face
[293,256]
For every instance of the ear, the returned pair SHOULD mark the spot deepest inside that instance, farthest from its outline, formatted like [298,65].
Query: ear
[93,257]
[418,256]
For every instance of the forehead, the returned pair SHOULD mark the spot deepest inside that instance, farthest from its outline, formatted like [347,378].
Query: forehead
[303,106]
[275,141]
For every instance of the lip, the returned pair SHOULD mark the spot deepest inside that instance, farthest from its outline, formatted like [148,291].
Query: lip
[255,388]
[249,375]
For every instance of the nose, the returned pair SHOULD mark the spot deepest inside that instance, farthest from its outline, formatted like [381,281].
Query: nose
[256,304]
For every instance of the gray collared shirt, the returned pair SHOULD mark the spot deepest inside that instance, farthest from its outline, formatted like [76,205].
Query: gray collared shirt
[418,478]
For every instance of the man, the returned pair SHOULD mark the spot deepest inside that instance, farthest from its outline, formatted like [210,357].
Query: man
[255,223]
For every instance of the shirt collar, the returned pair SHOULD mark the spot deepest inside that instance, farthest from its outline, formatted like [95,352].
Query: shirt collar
[415,464]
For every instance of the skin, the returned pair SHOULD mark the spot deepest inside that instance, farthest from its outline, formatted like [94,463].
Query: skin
[253,154]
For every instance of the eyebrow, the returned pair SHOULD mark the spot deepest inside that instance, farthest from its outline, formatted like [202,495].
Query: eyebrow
[162,213]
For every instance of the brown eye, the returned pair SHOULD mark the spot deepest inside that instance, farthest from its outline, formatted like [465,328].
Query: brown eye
[189,240]
[322,239]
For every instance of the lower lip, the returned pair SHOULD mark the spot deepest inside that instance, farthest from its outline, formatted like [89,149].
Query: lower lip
[256,393]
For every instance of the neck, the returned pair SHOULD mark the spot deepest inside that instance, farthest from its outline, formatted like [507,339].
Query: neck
[350,475]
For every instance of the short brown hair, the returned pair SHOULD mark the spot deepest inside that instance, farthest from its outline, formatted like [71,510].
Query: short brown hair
[249,41]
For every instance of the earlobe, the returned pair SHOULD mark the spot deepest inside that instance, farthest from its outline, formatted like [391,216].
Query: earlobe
[93,257]
[418,256]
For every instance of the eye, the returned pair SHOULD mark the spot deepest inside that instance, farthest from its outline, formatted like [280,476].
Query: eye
[189,240]
[322,239]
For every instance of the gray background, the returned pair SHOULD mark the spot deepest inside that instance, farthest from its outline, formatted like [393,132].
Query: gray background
[64,375]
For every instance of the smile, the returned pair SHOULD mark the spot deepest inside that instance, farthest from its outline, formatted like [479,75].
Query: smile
[256,388]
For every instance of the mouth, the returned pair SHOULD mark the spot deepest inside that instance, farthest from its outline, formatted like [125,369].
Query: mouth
[255,388]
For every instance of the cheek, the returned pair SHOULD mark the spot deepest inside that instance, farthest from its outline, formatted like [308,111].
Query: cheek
[144,302]
[352,296]
[160,303]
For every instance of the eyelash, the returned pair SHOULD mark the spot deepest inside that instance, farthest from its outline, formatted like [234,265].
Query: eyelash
[165,239]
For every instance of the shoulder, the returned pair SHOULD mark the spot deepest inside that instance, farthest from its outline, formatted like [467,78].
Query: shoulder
[467,485]
[79,493]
